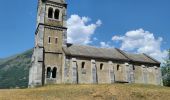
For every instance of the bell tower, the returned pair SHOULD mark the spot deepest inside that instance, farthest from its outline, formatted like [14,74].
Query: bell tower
[50,37]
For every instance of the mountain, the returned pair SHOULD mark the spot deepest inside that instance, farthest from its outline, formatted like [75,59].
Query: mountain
[2,60]
[14,70]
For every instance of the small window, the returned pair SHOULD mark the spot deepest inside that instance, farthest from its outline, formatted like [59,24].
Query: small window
[54,72]
[118,67]
[50,12]
[101,66]
[56,14]
[56,40]
[133,67]
[49,39]
[82,65]
[48,72]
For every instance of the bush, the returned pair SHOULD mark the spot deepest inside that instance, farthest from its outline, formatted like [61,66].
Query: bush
[166,71]
[166,80]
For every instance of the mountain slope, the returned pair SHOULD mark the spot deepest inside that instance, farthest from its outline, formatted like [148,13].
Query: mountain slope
[2,60]
[14,70]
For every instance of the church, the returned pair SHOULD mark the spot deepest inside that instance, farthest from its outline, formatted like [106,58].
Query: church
[54,61]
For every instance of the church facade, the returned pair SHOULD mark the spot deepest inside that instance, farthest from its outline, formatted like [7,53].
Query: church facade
[55,61]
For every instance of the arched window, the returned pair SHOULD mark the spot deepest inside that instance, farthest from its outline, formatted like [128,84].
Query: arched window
[118,67]
[101,66]
[56,14]
[54,72]
[48,72]
[82,65]
[50,12]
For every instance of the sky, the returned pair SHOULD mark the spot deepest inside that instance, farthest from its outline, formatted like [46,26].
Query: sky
[138,26]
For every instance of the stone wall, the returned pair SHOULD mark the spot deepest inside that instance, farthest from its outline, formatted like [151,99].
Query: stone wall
[53,46]
[53,60]
[104,71]
[111,72]
[138,74]
[35,72]
[147,74]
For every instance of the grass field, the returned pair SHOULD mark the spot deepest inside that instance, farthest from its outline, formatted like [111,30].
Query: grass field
[89,92]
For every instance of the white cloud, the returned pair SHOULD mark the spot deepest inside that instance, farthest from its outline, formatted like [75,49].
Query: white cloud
[141,41]
[117,38]
[105,45]
[95,39]
[99,22]
[79,31]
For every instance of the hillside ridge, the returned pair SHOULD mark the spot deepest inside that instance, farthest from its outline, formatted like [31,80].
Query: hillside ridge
[14,70]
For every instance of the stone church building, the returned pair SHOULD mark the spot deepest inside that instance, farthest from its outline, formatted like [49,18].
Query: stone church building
[55,61]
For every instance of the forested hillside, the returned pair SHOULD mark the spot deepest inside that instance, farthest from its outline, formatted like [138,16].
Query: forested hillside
[14,70]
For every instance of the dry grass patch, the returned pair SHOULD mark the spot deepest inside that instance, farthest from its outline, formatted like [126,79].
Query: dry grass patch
[89,92]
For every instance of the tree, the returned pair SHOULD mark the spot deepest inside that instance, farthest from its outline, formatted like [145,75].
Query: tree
[166,71]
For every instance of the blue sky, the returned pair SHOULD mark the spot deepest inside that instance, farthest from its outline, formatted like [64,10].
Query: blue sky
[118,17]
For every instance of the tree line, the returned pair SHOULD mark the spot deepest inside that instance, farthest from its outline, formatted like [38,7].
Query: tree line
[166,71]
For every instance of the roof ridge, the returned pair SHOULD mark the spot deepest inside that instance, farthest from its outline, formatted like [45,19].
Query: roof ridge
[123,53]
[91,46]
[151,58]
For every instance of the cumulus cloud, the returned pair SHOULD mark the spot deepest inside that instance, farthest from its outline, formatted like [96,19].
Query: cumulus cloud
[105,45]
[117,38]
[141,41]
[79,30]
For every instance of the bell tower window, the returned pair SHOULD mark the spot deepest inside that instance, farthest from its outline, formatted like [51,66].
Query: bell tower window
[49,40]
[56,40]
[56,14]
[50,12]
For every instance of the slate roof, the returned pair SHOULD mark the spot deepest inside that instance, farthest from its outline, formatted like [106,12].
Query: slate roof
[141,58]
[93,52]
[58,1]
[106,53]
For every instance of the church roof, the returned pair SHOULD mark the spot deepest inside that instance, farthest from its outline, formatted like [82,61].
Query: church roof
[93,52]
[106,53]
[141,58]
[58,1]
